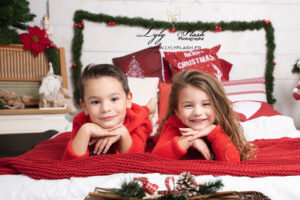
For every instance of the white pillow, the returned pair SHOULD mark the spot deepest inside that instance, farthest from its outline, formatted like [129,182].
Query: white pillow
[252,89]
[272,127]
[143,89]
[247,108]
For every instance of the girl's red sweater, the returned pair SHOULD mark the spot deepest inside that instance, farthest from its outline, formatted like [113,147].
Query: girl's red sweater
[167,144]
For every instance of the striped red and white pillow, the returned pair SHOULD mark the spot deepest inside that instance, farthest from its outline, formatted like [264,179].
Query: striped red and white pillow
[252,89]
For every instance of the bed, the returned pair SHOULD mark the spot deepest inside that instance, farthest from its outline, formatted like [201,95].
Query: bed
[40,173]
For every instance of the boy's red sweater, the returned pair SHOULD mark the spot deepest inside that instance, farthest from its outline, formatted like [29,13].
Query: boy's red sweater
[167,145]
[136,121]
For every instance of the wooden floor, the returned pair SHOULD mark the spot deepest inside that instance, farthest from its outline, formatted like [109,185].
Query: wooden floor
[16,144]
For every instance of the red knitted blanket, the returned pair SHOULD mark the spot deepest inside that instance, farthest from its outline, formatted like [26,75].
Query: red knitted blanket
[275,157]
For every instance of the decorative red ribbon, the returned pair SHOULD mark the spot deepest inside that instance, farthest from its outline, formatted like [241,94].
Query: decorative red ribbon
[146,185]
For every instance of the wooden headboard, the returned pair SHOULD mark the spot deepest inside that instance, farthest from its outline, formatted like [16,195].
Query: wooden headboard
[22,72]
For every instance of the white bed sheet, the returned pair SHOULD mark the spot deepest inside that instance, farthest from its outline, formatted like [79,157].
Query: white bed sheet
[18,187]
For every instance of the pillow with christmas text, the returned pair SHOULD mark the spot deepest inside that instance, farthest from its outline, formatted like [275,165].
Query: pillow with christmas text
[141,64]
[205,60]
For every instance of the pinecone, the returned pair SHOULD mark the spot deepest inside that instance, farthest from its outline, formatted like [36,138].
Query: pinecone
[187,183]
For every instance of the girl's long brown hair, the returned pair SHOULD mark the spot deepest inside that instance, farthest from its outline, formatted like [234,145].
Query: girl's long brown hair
[222,106]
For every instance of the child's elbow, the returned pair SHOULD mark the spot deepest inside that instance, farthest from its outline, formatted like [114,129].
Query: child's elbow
[232,155]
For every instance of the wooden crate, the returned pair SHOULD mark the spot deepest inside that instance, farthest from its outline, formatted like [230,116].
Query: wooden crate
[22,72]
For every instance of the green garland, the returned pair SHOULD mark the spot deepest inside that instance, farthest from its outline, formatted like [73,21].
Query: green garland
[296,69]
[81,15]
[129,189]
[1,105]
[53,57]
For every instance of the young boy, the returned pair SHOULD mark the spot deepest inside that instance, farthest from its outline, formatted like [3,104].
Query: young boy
[109,122]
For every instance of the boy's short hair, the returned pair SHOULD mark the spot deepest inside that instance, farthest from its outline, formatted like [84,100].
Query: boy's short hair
[92,71]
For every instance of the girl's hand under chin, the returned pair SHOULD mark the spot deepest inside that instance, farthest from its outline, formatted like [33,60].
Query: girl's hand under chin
[202,147]
[196,133]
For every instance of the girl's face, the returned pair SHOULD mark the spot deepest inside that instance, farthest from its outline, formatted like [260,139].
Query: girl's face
[105,101]
[194,108]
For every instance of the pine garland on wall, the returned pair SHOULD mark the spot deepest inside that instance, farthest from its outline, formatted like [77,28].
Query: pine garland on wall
[81,15]
[296,67]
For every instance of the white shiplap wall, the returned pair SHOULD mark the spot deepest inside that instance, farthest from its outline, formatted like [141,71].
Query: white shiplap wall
[246,50]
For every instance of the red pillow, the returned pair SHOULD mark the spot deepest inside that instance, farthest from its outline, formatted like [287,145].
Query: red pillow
[205,60]
[164,93]
[143,63]
[167,71]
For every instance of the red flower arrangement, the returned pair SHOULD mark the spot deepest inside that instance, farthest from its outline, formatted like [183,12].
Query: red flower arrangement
[35,40]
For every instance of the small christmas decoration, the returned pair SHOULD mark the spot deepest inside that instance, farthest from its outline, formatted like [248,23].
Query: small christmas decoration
[79,25]
[74,65]
[187,184]
[186,188]
[134,69]
[50,46]
[146,185]
[172,30]
[167,183]
[35,40]
[11,100]
[266,21]
[46,26]
[296,90]
[218,28]
[111,23]
[53,95]
[274,63]
[173,16]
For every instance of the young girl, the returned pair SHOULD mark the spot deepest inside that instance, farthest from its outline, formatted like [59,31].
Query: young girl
[198,111]
[109,122]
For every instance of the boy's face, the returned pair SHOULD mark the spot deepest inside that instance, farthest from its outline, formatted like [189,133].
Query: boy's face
[105,101]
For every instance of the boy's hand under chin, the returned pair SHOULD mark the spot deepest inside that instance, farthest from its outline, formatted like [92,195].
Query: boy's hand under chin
[103,144]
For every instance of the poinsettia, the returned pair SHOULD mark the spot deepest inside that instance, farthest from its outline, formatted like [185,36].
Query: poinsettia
[35,40]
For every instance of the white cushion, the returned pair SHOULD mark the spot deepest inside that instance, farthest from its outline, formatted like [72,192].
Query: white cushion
[252,89]
[143,89]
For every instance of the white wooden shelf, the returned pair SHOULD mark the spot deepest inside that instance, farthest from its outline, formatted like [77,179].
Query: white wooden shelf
[32,121]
